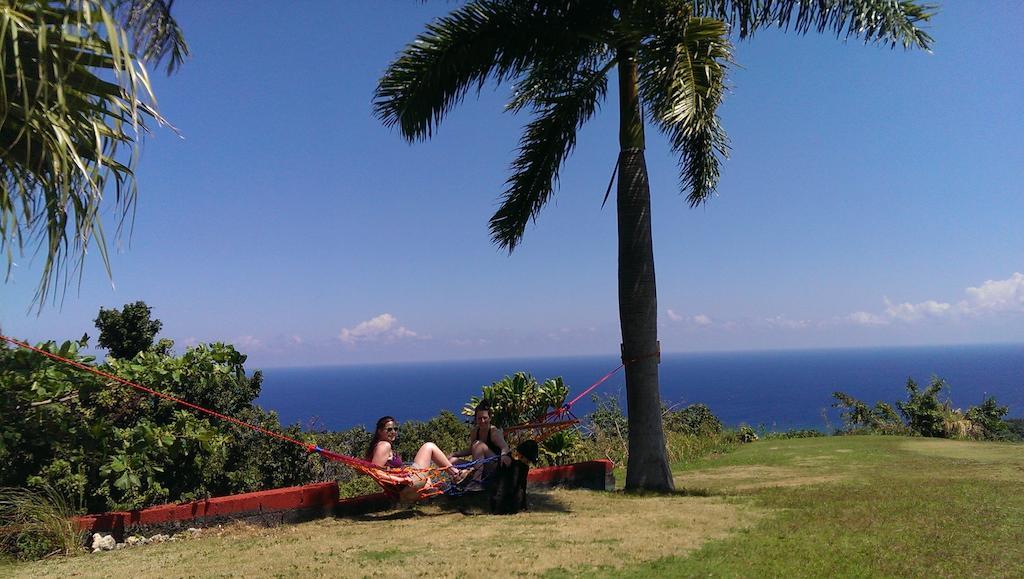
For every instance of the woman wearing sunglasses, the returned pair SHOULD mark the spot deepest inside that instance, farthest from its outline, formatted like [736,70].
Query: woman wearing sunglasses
[382,453]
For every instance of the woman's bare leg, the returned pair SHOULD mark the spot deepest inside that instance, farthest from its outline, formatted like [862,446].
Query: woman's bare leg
[429,453]
[481,450]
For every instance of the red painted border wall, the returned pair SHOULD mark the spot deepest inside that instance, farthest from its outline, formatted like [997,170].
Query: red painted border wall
[314,500]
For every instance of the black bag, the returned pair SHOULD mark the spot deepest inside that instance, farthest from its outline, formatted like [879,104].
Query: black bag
[509,494]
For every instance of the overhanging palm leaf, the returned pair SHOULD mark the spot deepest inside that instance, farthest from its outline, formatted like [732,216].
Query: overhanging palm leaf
[892,22]
[155,33]
[484,40]
[546,143]
[65,127]
[682,77]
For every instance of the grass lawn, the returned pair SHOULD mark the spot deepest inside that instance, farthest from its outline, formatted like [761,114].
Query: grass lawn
[846,506]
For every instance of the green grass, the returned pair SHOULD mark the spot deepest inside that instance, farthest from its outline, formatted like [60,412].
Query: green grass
[895,507]
[859,506]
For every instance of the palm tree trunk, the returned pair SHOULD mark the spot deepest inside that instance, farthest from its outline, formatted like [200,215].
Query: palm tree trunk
[638,300]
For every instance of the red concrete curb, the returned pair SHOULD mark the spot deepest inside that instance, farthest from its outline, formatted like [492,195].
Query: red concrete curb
[317,499]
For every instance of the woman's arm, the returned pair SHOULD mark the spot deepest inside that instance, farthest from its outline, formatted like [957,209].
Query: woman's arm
[381,453]
[499,439]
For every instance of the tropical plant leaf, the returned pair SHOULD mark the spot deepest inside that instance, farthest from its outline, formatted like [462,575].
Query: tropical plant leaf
[562,107]
[892,22]
[682,81]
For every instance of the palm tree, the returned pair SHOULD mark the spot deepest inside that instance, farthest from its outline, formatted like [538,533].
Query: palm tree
[75,100]
[671,58]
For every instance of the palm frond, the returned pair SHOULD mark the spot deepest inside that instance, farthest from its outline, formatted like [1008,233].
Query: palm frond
[67,133]
[562,106]
[155,33]
[682,82]
[892,22]
[484,40]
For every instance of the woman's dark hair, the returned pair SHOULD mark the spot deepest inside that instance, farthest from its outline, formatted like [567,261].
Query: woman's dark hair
[381,422]
[483,406]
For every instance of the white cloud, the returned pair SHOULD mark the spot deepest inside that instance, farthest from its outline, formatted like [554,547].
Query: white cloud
[867,319]
[998,296]
[991,297]
[247,342]
[698,320]
[383,328]
[784,322]
[909,312]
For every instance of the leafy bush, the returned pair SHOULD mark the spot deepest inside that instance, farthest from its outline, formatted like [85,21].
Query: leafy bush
[1015,428]
[112,448]
[858,415]
[127,332]
[696,419]
[988,417]
[746,434]
[794,433]
[926,415]
[519,399]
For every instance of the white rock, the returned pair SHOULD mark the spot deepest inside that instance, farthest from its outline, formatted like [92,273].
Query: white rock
[133,540]
[120,546]
[101,542]
[194,530]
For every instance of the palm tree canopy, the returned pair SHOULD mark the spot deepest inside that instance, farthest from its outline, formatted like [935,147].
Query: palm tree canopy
[75,100]
[558,53]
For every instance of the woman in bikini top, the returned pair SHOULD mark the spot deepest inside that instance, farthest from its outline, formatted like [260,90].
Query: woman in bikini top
[381,452]
[485,440]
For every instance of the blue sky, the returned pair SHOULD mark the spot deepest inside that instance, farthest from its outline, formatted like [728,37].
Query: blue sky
[873,197]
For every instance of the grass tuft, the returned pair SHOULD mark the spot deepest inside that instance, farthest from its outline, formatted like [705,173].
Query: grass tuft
[37,524]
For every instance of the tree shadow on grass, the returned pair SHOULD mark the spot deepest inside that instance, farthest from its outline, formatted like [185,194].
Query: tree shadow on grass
[679,492]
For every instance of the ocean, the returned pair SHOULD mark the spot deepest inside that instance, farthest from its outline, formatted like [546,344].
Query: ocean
[777,390]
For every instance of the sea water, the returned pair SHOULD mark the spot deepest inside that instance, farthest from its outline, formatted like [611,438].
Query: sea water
[776,390]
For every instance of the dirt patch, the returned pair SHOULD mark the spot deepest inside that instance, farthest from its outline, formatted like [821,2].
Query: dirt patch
[744,478]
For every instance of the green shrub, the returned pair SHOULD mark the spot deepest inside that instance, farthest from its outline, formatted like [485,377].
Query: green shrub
[695,419]
[1015,428]
[746,434]
[989,418]
[794,433]
[519,399]
[926,415]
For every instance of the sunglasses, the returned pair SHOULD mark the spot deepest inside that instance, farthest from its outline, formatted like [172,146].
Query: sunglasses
[391,429]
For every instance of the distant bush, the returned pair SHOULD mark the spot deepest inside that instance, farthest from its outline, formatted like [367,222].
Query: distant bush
[695,419]
[746,434]
[923,414]
[1015,428]
[793,433]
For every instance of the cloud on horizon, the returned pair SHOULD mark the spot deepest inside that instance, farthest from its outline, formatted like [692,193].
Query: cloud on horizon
[383,328]
[991,297]
[698,320]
